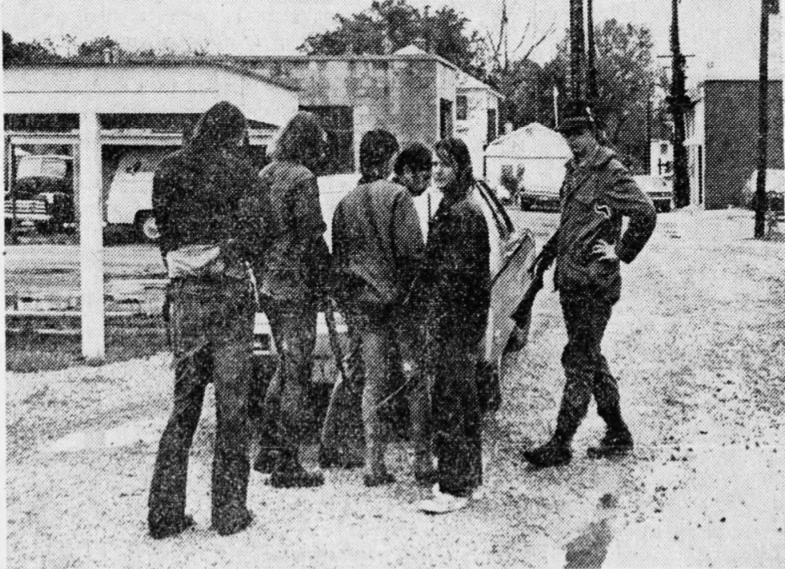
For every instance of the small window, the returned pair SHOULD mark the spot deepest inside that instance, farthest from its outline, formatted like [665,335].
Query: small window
[461,107]
[664,148]
[492,127]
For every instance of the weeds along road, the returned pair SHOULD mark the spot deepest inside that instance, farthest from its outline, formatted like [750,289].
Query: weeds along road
[697,343]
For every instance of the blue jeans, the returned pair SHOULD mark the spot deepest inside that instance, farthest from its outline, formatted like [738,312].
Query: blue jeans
[286,402]
[211,328]
[379,340]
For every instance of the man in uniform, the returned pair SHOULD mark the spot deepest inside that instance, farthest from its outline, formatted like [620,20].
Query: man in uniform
[588,247]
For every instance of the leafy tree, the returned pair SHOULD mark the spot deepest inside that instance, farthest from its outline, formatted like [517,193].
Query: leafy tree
[626,81]
[389,25]
[15,53]
[94,49]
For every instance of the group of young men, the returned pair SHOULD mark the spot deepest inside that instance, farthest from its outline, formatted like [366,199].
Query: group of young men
[218,217]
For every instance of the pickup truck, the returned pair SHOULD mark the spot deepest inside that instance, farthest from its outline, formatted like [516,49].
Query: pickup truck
[43,193]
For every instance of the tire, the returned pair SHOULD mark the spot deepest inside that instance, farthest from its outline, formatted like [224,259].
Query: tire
[146,228]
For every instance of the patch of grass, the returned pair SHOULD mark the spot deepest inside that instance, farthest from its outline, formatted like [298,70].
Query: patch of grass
[31,351]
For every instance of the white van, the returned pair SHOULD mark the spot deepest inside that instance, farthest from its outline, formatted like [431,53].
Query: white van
[130,196]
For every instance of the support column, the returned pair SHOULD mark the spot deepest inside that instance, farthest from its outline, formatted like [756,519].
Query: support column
[91,244]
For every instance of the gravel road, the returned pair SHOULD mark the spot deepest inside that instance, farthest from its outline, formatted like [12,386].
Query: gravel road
[697,344]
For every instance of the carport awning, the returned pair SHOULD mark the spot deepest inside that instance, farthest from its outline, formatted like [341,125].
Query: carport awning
[143,88]
[90,90]
[256,137]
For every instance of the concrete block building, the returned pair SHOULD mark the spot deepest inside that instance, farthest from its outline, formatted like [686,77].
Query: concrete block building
[722,139]
[418,96]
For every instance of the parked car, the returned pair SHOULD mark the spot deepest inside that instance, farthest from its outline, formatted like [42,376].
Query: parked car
[542,195]
[659,189]
[512,253]
[129,200]
[43,193]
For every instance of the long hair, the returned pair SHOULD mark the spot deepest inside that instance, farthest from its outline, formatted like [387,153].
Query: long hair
[300,141]
[221,125]
[377,147]
[455,153]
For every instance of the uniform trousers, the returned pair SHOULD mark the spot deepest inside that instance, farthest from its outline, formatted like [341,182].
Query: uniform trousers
[585,368]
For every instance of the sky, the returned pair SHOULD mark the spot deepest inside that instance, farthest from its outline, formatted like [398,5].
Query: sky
[722,34]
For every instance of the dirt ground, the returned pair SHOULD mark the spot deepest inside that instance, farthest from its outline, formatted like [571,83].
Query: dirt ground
[698,345]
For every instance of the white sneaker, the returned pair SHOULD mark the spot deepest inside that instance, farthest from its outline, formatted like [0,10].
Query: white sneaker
[442,504]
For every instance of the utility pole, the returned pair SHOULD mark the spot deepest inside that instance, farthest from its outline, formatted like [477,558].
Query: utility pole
[679,102]
[577,50]
[591,80]
[761,197]
[648,136]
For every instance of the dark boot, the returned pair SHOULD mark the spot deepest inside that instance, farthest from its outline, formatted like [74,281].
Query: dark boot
[618,439]
[617,442]
[289,473]
[557,451]
[171,530]
[243,523]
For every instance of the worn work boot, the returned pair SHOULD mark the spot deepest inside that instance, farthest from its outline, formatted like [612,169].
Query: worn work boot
[617,442]
[553,453]
[289,473]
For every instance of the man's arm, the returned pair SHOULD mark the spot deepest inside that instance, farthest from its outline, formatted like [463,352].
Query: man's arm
[162,194]
[310,227]
[256,225]
[625,197]
[409,247]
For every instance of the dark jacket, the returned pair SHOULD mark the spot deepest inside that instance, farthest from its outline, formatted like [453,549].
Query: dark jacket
[456,279]
[199,197]
[295,267]
[594,198]
[377,244]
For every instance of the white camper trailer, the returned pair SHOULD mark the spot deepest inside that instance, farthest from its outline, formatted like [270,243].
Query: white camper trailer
[534,156]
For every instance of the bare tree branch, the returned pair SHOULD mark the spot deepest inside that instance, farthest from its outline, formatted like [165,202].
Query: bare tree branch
[536,44]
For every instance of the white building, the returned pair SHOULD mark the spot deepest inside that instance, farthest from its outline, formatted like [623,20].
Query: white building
[534,154]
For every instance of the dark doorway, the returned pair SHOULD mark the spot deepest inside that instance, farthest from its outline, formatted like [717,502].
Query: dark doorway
[445,118]
[700,174]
